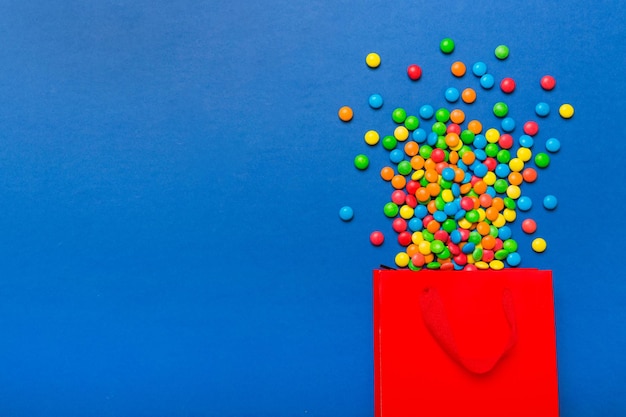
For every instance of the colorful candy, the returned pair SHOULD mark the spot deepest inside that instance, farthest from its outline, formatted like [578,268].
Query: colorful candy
[455,189]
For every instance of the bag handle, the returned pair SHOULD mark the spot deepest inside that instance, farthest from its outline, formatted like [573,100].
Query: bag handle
[434,317]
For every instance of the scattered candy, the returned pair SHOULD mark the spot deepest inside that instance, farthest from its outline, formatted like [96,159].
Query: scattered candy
[548,82]
[529,226]
[414,72]
[539,245]
[346,213]
[377,238]
[566,111]
[507,85]
[376,101]
[345,114]
[372,60]
[447,46]
[361,161]
[542,109]
[553,145]
[502,52]
[458,69]
[456,190]
[550,202]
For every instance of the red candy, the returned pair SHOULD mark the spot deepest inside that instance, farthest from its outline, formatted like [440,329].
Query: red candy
[529,226]
[414,72]
[404,238]
[377,238]
[531,128]
[548,82]
[438,155]
[505,141]
[398,197]
[399,224]
[507,85]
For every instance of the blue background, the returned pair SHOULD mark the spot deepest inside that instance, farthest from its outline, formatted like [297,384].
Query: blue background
[171,175]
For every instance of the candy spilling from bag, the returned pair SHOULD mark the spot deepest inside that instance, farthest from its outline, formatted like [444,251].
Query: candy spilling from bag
[456,184]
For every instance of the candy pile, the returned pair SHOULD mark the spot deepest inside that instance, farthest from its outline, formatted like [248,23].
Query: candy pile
[456,187]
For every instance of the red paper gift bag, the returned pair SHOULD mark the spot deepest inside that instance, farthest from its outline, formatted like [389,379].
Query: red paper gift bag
[464,343]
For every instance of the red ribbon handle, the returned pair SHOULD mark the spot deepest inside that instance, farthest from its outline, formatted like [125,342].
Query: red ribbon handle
[436,321]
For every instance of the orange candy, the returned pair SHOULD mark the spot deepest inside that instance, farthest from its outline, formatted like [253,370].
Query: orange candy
[422,195]
[488,242]
[457,116]
[497,203]
[480,187]
[468,95]
[452,139]
[491,213]
[411,148]
[431,175]
[475,127]
[458,69]
[345,113]
[468,158]
[433,226]
[387,173]
[433,189]
[529,174]
[417,162]
[483,228]
[398,182]
[515,178]
[453,158]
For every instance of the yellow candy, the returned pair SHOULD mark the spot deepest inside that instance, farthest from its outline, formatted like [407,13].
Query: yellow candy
[372,60]
[525,154]
[402,259]
[371,137]
[424,247]
[482,265]
[539,245]
[490,178]
[492,135]
[496,264]
[566,111]
[513,191]
[465,224]
[499,221]
[401,133]
[447,196]
[509,215]
[417,237]
[417,175]
[406,212]
[516,164]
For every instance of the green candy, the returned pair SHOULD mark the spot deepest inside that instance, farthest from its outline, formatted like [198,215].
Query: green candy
[442,115]
[389,142]
[411,123]
[542,160]
[502,51]
[446,45]
[391,209]
[361,161]
[500,109]
[399,115]
[404,167]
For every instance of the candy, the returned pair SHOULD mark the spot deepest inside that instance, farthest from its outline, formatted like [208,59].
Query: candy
[479,69]
[361,161]
[346,213]
[458,69]
[377,238]
[446,45]
[414,72]
[542,109]
[566,111]
[507,85]
[502,51]
[371,137]
[372,60]
[345,114]
[376,101]
[550,202]
[553,145]
[539,245]
[529,226]
[455,189]
[547,82]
